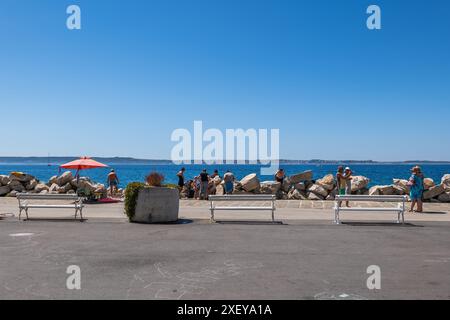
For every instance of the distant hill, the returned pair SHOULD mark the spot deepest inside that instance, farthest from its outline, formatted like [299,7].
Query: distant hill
[133,161]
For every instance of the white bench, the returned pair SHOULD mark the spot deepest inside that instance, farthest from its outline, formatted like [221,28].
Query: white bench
[400,209]
[24,205]
[214,199]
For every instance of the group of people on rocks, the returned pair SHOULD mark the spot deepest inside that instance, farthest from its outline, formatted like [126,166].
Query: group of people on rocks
[205,184]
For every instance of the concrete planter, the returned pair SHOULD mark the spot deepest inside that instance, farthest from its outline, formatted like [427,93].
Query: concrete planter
[156,205]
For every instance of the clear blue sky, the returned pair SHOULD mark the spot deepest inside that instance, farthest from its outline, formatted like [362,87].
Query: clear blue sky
[139,69]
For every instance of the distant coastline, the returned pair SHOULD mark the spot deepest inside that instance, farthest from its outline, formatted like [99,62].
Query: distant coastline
[134,161]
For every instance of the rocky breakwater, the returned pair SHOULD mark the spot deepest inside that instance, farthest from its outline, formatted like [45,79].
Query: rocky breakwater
[302,186]
[18,182]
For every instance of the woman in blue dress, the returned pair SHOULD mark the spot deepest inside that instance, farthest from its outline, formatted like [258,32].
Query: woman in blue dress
[415,184]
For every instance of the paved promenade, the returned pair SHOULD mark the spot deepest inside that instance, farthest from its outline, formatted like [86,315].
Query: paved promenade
[286,210]
[305,257]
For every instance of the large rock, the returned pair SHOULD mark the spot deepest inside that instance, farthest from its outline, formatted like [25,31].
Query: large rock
[250,182]
[295,194]
[65,178]
[359,182]
[156,205]
[428,183]
[401,183]
[286,186]
[217,180]
[444,197]
[86,185]
[12,194]
[387,190]
[399,191]
[270,187]
[31,185]
[54,188]
[446,180]
[299,177]
[4,180]
[4,190]
[15,185]
[41,187]
[433,192]
[313,196]
[318,190]
[327,182]
[301,186]
[332,195]
[64,189]
[53,180]
[374,191]
[21,177]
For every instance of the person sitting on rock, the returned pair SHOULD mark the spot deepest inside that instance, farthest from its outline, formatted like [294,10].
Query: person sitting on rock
[280,176]
[228,178]
[215,174]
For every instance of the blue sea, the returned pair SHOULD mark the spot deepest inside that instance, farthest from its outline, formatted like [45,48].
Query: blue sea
[380,174]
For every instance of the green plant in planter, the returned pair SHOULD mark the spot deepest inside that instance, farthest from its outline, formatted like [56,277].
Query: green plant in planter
[131,194]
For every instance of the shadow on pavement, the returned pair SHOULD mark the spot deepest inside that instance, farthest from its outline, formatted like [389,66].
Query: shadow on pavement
[381,224]
[249,222]
[433,212]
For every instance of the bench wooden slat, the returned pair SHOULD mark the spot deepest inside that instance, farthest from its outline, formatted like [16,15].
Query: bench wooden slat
[377,198]
[49,206]
[28,196]
[371,209]
[242,208]
[242,198]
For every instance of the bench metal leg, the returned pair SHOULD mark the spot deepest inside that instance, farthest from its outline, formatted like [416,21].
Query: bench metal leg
[401,211]
[20,213]
[211,208]
[336,213]
[81,213]
[273,211]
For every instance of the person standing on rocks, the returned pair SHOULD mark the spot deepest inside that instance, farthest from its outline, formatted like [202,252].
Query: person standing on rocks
[228,178]
[204,180]
[113,182]
[348,183]
[180,176]
[415,184]
[341,182]
[215,174]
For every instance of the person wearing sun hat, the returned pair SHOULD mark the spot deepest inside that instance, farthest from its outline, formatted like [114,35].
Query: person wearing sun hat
[415,184]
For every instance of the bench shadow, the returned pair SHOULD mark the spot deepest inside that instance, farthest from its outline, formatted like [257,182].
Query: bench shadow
[381,224]
[249,222]
[179,221]
[432,212]
[7,215]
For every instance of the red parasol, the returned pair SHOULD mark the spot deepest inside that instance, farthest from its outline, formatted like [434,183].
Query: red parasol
[83,163]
